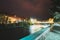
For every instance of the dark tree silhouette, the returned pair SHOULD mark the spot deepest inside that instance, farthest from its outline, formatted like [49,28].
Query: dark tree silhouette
[3,18]
[56,6]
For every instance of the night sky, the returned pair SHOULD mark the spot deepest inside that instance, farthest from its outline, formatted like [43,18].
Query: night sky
[26,8]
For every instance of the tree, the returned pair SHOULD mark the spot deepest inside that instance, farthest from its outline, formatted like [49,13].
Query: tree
[3,18]
[55,10]
[57,17]
[56,6]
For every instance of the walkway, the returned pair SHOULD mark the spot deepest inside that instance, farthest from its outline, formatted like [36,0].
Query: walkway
[53,36]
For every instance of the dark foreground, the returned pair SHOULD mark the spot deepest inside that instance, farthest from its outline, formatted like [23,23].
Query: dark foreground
[13,33]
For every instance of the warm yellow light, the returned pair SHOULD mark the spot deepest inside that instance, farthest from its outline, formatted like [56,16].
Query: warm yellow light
[5,16]
[12,19]
[51,20]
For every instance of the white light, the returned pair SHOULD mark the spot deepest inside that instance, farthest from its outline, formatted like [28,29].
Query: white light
[34,28]
[33,20]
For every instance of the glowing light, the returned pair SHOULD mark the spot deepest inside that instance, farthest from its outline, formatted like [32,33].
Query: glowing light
[5,16]
[33,20]
[51,20]
[14,19]
[35,28]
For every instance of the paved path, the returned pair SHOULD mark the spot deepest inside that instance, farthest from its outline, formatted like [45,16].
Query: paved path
[53,36]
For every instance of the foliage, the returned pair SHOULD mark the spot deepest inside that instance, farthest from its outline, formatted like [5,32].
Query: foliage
[24,24]
[3,19]
[56,6]
[57,16]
